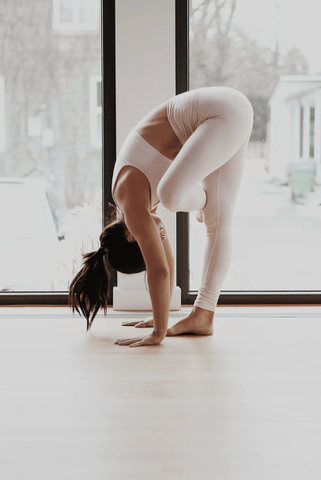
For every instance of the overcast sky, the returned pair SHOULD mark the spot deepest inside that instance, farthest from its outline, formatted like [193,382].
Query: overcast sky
[299,25]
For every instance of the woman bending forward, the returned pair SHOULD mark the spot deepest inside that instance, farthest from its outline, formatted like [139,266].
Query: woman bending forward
[187,154]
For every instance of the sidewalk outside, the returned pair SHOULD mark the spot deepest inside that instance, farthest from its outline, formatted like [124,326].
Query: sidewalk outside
[276,243]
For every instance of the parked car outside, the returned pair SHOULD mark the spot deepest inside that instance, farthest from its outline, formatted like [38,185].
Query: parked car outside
[30,217]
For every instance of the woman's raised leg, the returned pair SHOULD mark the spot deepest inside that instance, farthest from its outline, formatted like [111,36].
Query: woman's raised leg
[221,188]
[212,144]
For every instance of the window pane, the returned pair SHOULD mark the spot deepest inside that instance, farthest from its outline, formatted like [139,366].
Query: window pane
[98,94]
[22,199]
[87,11]
[65,11]
[312,124]
[50,174]
[257,48]
[99,127]
[301,130]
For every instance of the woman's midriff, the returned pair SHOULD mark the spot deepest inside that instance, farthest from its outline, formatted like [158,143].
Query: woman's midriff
[157,131]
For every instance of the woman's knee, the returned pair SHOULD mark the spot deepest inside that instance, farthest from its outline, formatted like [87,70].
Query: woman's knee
[168,197]
[244,109]
[237,107]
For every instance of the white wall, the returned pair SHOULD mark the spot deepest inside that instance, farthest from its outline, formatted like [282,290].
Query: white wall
[285,121]
[145,77]
[145,72]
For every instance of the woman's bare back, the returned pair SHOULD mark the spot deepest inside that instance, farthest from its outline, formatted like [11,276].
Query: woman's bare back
[157,131]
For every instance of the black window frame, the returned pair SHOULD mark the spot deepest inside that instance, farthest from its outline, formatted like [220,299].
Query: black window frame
[108,19]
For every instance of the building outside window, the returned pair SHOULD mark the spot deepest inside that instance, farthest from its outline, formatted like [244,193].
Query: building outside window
[312,126]
[76,15]
[301,130]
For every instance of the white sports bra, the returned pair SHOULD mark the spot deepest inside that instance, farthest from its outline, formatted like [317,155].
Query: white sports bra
[138,153]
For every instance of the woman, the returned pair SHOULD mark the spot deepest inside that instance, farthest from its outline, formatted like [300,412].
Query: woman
[187,154]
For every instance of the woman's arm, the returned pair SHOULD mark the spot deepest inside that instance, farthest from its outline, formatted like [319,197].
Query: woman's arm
[149,322]
[143,227]
[167,248]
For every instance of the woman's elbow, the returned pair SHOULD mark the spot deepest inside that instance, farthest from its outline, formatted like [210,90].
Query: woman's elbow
[158,272]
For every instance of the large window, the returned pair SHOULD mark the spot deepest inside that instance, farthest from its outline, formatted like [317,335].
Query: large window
[50,141]
[254,47]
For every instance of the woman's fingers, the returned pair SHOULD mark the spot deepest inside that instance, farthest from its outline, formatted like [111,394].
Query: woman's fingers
[199,216]
[145,324]
[144,342]
[130,323]
[127,341]
[141,325]
[149,322]
[151,339]
[137,344]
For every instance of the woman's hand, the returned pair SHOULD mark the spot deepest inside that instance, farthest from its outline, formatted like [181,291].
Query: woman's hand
[149,322]
[199,216]
[152,339]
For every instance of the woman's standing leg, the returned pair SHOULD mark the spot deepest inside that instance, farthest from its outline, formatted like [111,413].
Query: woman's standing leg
[221,187]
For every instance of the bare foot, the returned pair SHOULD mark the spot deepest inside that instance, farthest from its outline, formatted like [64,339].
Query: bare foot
[198,322]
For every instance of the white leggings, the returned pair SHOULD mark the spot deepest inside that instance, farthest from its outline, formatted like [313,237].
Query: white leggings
[207,171]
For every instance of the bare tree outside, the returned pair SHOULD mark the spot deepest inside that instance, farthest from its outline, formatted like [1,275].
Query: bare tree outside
[277,222]
[223,54]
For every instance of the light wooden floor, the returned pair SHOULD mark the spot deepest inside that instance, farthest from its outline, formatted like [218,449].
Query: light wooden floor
[243,404]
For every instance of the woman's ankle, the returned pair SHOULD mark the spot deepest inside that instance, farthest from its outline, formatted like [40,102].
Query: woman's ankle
[201,312]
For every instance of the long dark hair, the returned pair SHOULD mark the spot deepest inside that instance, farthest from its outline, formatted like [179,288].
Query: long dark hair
[88,291]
